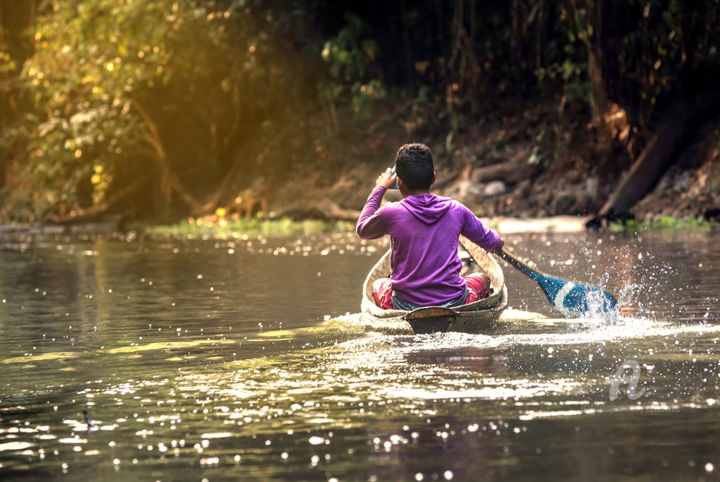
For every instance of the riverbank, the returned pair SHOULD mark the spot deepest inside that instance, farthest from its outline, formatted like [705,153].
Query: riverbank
[525,162]
[216,227]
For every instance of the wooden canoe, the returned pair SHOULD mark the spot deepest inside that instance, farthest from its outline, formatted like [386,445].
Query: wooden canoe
[471,318]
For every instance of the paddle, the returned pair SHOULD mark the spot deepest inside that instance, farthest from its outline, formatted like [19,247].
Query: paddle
[566,296]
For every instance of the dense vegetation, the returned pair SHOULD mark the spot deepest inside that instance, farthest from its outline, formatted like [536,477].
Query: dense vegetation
[165,108]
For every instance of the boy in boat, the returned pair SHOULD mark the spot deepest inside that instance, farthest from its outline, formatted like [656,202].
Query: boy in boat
[424,230]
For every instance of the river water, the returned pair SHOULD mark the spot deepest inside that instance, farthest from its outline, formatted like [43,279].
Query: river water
[132,359]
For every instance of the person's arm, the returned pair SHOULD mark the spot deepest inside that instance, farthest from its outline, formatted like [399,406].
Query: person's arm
[480,234]
[372,224]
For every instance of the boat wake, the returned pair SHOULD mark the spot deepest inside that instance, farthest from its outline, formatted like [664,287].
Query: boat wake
[517,327]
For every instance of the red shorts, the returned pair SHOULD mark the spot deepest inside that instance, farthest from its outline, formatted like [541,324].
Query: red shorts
[382,290]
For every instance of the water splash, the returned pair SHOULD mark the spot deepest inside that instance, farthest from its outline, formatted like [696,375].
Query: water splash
[597,314]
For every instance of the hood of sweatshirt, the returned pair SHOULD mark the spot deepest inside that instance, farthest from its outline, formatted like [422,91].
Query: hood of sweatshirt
[428,208]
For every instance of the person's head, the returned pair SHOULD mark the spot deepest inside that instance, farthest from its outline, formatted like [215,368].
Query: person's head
[414,166]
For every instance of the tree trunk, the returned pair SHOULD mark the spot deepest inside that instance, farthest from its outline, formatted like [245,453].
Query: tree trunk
[170,182]
[658,156]
[649,166]
[233,180]
[2,29]
[510,172]
[323,209]
[593,44]
[17,21]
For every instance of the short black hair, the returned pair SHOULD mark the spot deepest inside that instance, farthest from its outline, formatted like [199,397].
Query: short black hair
[414,165]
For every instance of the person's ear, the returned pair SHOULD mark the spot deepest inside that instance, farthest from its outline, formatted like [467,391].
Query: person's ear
[402,188]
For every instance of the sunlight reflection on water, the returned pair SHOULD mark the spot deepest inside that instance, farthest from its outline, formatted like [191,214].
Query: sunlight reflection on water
[196,362]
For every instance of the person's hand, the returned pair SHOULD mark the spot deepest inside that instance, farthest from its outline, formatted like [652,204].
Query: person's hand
[385,179]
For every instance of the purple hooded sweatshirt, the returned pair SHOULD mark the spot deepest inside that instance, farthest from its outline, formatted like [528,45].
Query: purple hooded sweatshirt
[424,233]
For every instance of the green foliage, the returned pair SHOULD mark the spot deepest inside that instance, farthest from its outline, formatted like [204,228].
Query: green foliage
[91,59]
[565,51]
[7,64]
[250,228]
[155,93]
[364,95]
[350,56]
[347,54]
[664,223]
[185,98]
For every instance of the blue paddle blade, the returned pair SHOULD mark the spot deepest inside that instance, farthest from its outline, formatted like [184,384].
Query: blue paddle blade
[576,298]
[566,296]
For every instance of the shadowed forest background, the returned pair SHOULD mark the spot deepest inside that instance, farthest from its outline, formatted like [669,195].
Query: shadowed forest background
[158,110]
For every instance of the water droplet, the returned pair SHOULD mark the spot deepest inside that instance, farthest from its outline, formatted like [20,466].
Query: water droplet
[315,440]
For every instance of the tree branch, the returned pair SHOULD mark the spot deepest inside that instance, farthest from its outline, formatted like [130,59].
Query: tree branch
[173,181]
[98,209]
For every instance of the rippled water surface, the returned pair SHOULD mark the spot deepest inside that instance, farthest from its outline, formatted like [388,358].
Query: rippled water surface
[245,359]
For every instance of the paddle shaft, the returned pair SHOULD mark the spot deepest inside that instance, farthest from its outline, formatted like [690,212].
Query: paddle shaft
[519,265]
